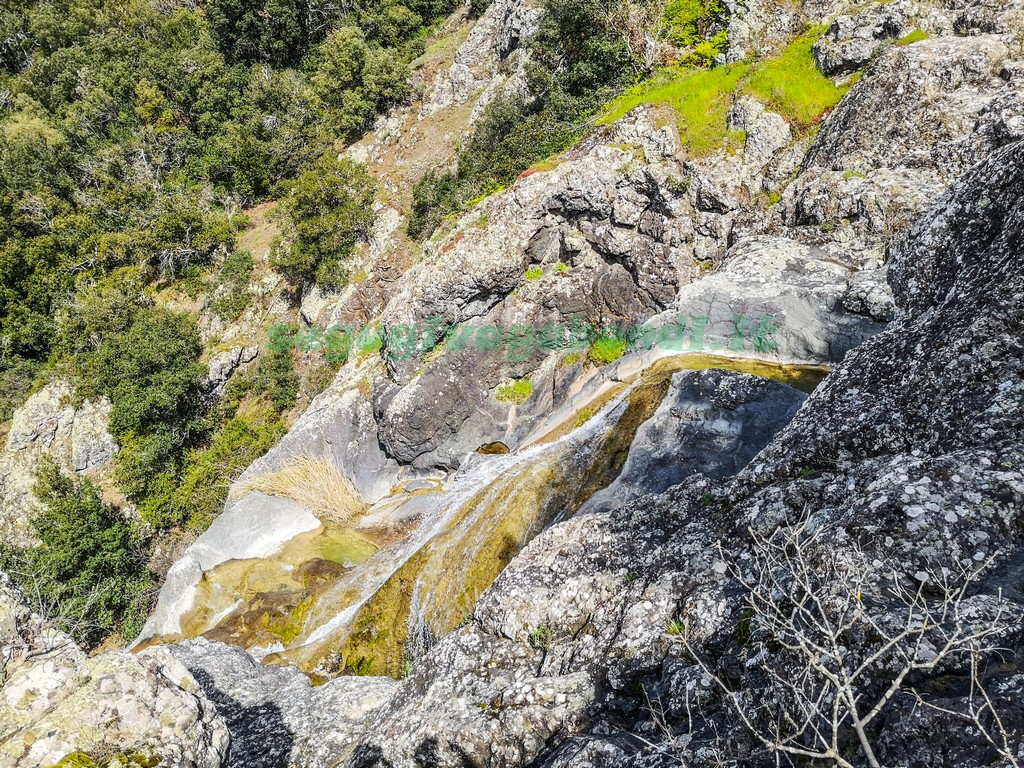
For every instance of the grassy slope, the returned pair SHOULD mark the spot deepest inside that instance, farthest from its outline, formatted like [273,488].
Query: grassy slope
[789,84]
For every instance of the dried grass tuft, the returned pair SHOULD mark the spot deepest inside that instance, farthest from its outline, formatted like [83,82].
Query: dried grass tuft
[316,484]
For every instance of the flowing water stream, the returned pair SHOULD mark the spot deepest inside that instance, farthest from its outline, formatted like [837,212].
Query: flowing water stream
[370,600]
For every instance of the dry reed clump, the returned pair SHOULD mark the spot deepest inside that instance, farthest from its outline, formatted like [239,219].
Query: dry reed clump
[316,484]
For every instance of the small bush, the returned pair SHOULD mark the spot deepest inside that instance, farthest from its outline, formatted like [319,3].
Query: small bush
[274,376]
[542,638]
[315,483]
[515,392]
[233,296]
[87,573]
[687,22]
[607,350]
[16,379]
[208,472]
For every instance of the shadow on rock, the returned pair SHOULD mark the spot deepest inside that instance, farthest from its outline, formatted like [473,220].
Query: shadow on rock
[260,738]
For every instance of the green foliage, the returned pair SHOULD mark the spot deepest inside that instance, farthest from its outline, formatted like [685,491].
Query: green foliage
[232,294]
[676,628]
[542,638]
[914,37]
[273,376]
[16,381]
[516,392]
[354,79]
[701,99]
[275,32]
[789,84]
[87,571]
[145,360]
[534,273]
[208,471]
[579,60]
[327,211]
[149,371]
[139,127]
[687,22]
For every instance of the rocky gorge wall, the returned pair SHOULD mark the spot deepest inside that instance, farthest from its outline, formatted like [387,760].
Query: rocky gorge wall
[907,456]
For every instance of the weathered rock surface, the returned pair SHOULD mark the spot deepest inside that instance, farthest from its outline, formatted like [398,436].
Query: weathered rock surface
[49,424]
[909,456]
[710,422]
[275,717]
[223,365]
[55,700]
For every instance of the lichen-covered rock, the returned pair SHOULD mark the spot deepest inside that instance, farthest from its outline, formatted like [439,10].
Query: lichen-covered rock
[941,119]
[56,700]
[50,424]
[909,456]
[275,716]
[223,365]
[850,41]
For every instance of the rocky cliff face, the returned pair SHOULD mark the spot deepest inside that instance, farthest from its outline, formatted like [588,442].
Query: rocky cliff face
[562,577]
[908,458]
[50,424]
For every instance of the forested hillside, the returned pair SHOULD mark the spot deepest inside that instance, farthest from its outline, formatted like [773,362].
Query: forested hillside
[133,135]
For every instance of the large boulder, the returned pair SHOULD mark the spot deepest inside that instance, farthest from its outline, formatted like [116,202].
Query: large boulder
[275,716]
[50,424]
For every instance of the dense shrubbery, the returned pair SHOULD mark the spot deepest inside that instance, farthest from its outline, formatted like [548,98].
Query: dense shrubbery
[127,127]
[325,213]
[87,571]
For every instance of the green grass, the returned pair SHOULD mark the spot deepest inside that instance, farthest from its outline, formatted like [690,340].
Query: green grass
[700,97]
[789,84]
[534,273]
[792,85]
[914,37]
[516,392]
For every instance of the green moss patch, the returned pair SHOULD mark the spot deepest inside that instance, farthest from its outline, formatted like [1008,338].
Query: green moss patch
[515,392]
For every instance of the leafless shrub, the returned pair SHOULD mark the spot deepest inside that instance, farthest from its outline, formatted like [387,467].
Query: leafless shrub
[832,646]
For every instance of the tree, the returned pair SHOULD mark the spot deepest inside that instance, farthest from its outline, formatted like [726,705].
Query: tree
[328,210]
[356,80]
[88,572]
[274,32]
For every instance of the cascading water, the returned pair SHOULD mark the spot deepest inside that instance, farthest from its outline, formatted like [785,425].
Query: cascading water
[441,547]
